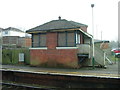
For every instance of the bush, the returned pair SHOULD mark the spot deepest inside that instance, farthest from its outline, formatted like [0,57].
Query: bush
[11,56]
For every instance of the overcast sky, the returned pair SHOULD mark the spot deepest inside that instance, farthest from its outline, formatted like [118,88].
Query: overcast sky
[26,14]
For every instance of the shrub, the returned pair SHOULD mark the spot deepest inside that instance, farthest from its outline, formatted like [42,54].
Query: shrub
[11,56]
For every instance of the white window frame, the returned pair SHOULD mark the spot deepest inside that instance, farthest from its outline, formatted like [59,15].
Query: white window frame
[77,38]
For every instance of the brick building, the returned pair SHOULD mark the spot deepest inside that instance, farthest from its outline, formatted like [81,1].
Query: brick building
[11,31]
[14,38]
[60,43]
[16,42]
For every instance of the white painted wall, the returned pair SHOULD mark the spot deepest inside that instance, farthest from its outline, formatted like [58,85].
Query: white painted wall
[13,33]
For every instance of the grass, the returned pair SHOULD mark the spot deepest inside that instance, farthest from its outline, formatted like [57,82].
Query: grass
[110,55]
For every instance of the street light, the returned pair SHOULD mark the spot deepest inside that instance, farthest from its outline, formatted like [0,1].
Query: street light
[93,58]
[0,46]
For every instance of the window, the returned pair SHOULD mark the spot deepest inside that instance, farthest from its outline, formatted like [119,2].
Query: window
[39,40]
[77,38]
[61,39]
[66,39]
[35,41]
[71,39]
[42,41]
[6,32]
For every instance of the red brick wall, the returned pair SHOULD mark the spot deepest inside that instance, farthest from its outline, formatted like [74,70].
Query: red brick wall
[28,42]
[84,28]
[104,45]
[51,40]
[81,39]
[53,57]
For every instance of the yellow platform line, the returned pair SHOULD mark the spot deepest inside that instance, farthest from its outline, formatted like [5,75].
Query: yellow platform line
[66,73]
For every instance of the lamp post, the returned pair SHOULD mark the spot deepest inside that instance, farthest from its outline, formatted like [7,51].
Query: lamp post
[101,35]
[0,46]
[93,58]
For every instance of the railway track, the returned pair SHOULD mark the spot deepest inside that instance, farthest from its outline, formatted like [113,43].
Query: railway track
[18,86]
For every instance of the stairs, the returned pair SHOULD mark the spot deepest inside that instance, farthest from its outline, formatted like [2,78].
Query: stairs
[99,56]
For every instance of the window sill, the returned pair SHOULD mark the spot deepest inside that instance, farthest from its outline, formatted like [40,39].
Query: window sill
[66,47]
[38,48]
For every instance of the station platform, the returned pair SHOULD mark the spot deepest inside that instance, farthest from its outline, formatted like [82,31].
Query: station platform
[112,71]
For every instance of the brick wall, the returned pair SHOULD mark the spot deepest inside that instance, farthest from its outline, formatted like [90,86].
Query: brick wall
[81,39]
[51,40]
[18,41]
[84,28]
[28,42]
[104,45]
[53,57]
[10,40]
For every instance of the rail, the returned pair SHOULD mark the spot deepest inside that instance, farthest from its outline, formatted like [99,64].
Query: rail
[21,86]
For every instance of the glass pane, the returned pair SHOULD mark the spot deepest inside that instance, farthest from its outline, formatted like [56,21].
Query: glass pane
[71,39]
[35,40]
[42,39]
[61,39]
[77,38]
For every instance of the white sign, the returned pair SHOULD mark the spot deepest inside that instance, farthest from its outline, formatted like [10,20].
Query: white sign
[21,57]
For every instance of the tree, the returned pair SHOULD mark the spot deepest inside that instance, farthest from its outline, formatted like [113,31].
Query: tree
[114,44]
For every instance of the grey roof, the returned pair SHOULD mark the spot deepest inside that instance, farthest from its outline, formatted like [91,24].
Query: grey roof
[1,28]
[57,25]
[13,29]
[101,41]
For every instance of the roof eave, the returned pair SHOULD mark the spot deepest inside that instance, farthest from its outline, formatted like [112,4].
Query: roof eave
[51,30]
[87,34]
